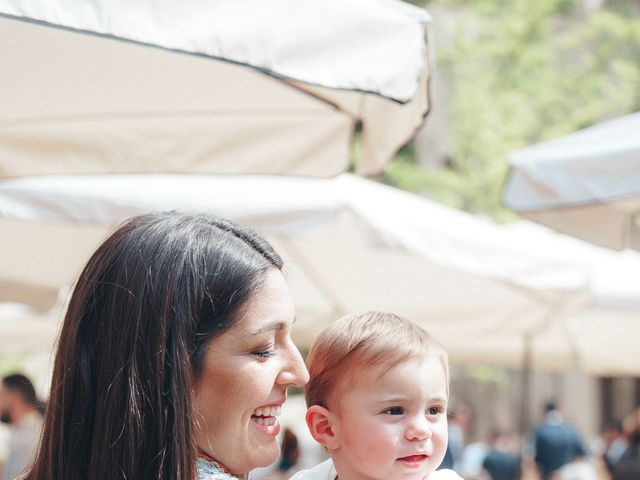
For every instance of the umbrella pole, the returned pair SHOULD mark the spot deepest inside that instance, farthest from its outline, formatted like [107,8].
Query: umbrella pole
[525,403]
[632,232]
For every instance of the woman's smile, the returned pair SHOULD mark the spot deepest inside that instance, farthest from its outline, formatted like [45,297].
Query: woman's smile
[266,418]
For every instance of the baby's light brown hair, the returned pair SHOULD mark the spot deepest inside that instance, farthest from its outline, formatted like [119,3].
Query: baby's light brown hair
[362,341]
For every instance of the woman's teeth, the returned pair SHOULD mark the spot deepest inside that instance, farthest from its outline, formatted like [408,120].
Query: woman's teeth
[269,421]
[266,415]
[267,412]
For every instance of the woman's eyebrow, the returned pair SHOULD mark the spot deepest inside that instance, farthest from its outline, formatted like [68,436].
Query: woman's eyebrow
[272,326]
[268,327]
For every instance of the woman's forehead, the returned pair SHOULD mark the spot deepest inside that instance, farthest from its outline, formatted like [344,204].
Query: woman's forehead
[270,308]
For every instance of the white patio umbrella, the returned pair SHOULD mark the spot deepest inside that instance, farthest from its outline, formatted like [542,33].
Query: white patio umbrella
[23,329]
[350,245]
[602,335]
[585,184]
[208,86]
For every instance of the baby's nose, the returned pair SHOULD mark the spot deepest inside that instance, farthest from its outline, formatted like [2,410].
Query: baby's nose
[418,429]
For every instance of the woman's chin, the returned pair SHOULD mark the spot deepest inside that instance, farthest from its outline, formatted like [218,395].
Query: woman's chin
[266,455]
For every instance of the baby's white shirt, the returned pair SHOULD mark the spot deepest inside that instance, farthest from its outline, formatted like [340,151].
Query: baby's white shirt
[322,471]
[326,471]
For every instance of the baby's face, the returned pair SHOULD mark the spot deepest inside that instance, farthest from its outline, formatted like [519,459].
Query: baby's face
[392,425]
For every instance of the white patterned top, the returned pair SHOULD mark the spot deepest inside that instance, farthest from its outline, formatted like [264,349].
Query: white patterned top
[208,470]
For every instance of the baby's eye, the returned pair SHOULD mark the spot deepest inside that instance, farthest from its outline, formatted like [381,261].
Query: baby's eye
[435,410]
[394,411]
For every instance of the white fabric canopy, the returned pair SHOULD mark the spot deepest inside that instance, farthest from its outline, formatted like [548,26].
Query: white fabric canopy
[602,336]
[291,206]
[208,86]
[586,184]
[23,329]
[351,245]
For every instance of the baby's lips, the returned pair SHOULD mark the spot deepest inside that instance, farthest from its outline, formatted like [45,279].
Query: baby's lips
[414,458]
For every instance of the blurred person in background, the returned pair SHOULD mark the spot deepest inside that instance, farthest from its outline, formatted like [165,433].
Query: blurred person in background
[473,454]
[19,408]
[290,453]
[459,420]
[556,442]
[501,461]
[289,456]
[628,468]
[615,444]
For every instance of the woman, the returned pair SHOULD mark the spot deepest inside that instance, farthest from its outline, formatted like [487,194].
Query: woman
[175,347]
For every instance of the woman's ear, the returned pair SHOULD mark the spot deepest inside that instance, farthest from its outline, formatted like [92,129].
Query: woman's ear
[321,425]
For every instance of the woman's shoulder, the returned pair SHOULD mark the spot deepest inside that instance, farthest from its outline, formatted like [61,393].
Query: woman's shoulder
[211,471]
[323,471]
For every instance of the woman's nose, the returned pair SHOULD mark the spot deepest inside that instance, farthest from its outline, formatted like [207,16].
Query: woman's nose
[418,428]
[294,373]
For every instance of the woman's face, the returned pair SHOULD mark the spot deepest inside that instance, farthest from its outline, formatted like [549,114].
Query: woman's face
[244,381]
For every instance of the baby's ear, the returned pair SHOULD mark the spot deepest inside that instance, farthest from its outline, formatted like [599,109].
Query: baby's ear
[320,422]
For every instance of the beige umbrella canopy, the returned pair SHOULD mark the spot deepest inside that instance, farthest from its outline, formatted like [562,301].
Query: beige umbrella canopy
[479,319]
[349,245]
[585,184]
[334,270]
[25,330]
[42,257]
[208,86]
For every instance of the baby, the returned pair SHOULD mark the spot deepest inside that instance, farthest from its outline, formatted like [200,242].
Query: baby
[377,400]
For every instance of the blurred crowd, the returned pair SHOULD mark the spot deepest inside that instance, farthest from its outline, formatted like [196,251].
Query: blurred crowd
[554,450]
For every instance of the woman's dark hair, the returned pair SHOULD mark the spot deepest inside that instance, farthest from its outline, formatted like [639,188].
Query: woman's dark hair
[132,346]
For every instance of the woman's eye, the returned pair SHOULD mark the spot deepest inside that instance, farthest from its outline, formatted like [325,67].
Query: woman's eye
[394,411]
[264,354]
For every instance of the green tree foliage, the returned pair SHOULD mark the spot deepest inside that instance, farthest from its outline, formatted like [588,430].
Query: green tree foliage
[519,72]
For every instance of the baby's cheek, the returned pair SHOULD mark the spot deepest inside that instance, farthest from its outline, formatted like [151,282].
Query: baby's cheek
[439,439]
[374,447]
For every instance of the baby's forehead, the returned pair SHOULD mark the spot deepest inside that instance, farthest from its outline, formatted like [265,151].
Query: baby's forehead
[413,366]
[402,375]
